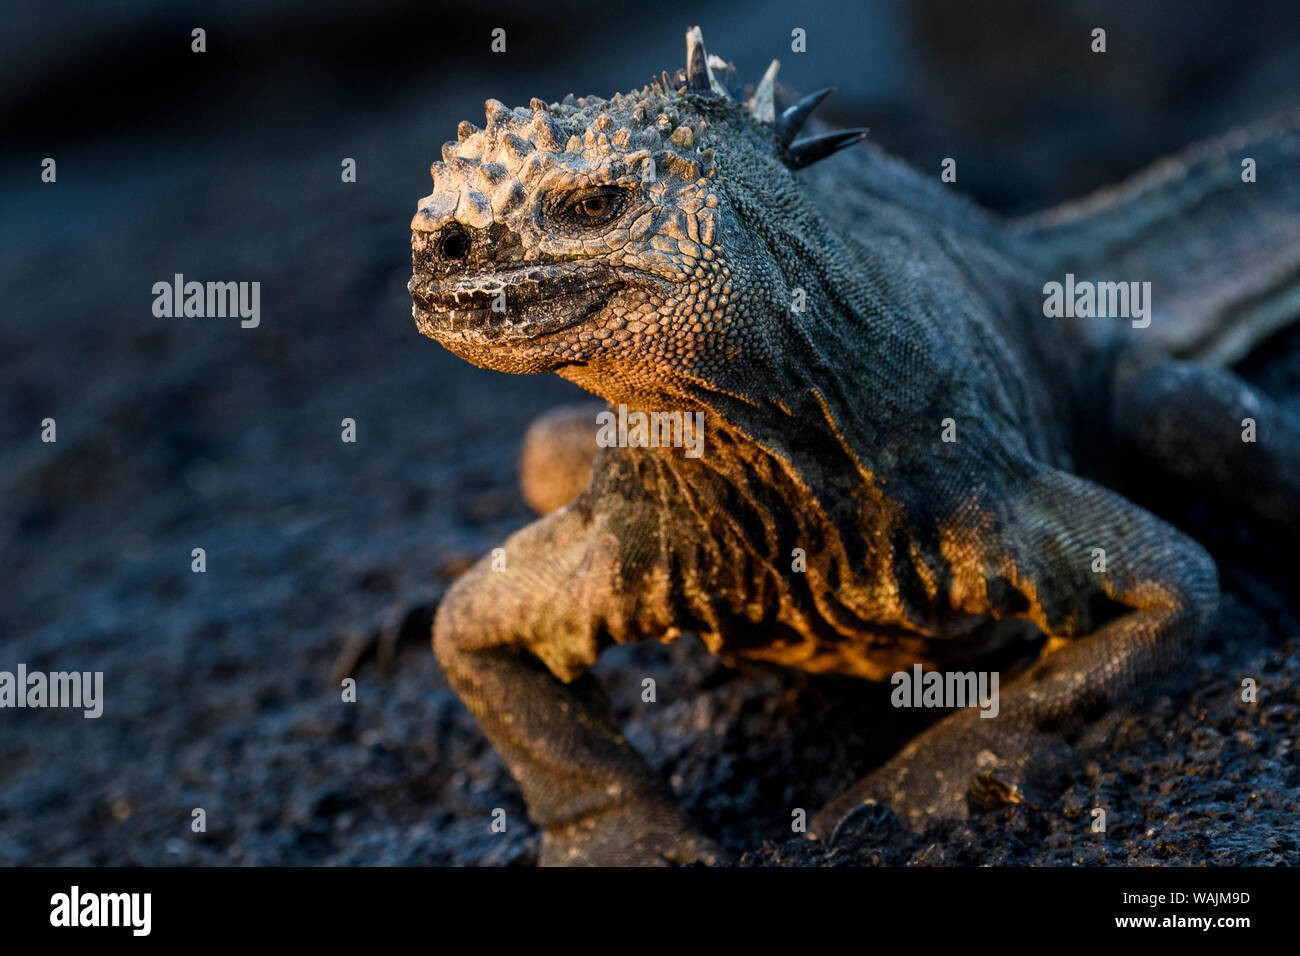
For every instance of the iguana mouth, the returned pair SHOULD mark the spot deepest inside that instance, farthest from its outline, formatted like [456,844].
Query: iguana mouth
[538,300]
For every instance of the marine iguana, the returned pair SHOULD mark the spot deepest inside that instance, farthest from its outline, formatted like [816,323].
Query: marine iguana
[883,394]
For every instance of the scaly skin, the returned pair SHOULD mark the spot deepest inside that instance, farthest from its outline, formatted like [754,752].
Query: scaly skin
[652,248]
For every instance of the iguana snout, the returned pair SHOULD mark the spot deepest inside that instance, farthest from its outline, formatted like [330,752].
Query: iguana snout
[517,302]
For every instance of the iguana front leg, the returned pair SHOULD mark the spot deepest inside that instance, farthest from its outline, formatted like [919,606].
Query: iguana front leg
[515,637]
[1108,631]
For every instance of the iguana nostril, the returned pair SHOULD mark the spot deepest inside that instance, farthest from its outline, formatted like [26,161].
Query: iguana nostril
[455,245]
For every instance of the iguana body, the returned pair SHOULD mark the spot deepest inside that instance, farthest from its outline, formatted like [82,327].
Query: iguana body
[835,326]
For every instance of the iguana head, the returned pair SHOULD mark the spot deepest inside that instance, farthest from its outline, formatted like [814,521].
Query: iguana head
[614,240]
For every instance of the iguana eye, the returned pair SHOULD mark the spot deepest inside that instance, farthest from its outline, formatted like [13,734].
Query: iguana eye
[591,207]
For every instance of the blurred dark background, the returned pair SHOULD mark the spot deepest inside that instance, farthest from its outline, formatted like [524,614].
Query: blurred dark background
[183,433]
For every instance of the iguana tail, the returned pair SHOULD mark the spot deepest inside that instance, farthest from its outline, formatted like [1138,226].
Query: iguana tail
[1215,229]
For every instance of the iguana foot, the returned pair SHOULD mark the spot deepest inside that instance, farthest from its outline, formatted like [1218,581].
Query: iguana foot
[634,833]
[555,464]
[400,626]
[995,786]
[933,779]
[870,819]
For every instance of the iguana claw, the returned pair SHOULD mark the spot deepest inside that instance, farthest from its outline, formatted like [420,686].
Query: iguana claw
[635,833]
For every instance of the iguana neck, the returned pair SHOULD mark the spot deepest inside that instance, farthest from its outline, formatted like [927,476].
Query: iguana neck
[804,289]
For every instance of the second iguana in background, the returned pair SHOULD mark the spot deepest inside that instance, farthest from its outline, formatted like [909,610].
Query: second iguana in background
[882,393]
